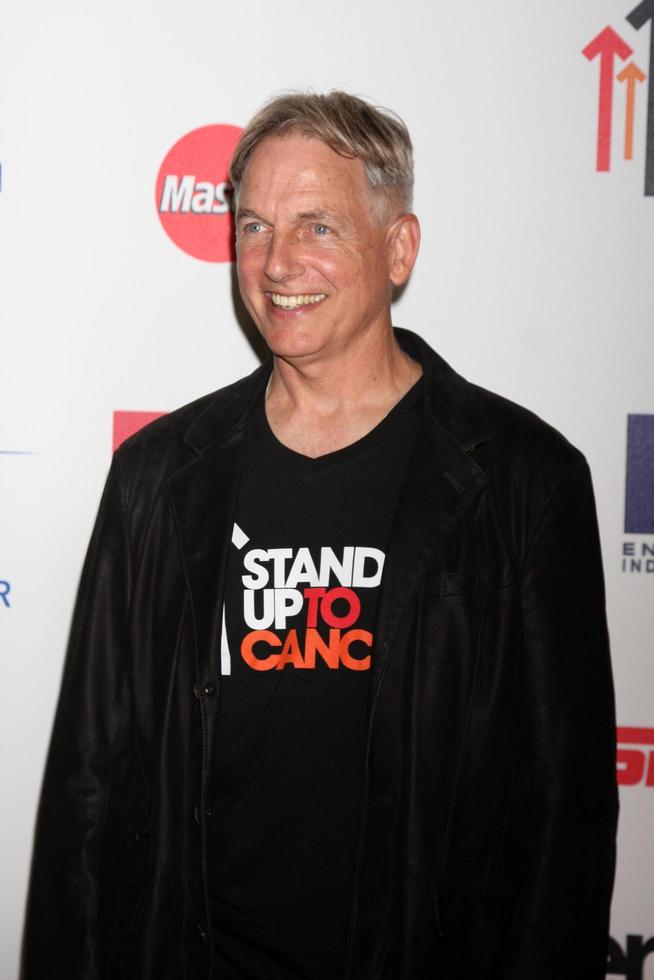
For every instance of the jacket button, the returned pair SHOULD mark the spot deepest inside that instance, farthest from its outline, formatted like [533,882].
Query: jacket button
[209,689]
[196,813]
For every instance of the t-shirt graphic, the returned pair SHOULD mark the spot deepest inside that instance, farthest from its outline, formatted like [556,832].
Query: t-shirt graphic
[302,608]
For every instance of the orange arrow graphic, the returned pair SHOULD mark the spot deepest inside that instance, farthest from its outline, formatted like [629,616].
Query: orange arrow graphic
[631,74]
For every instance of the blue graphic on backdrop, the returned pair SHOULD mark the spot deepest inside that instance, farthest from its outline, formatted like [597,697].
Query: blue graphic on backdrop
[5,589]
[639,498]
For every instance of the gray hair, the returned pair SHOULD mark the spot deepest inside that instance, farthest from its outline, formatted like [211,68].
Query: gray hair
[348,125]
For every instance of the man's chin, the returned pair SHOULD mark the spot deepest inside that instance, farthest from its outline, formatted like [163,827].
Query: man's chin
[291,343]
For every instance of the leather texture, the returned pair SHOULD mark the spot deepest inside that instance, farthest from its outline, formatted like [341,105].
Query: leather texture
[488,834]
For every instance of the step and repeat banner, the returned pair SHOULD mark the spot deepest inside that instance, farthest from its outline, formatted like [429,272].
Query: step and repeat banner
[533,126]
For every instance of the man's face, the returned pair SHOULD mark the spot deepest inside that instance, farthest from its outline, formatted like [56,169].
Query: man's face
[315,269]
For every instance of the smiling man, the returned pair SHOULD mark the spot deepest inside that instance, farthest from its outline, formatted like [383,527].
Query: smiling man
[338,699]
[319,252]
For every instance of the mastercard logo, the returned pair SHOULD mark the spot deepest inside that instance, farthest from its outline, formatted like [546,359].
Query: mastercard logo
[193,195]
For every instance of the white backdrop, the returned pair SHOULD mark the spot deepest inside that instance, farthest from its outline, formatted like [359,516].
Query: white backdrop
[535,279]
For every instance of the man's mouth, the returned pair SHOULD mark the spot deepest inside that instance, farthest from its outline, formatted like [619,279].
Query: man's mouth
[292,302]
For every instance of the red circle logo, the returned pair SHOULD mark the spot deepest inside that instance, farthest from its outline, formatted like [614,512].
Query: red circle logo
[193,196]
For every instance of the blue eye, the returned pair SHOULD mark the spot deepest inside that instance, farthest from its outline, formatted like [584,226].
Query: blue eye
[252,227]
[321,229]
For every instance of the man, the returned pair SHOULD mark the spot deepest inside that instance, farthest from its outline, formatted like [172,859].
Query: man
[392,755]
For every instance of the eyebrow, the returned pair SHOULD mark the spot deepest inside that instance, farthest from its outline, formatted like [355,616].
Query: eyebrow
[317,215]
[314,215]
[247,213]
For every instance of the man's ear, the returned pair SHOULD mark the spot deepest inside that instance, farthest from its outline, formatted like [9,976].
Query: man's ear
[403,245]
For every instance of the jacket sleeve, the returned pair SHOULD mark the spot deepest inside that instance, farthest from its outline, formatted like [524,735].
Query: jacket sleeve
[75,812]
[568,720]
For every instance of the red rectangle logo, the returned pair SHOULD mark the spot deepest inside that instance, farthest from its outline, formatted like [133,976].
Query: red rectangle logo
[635,759]
[127,423]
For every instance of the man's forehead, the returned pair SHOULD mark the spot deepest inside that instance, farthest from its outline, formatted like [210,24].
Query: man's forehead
[300,165]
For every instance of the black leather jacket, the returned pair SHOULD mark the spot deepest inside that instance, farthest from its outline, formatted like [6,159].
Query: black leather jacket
[487,843]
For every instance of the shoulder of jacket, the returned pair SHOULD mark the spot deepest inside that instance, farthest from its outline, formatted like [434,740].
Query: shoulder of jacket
[162,442]
[528,463]
[476,417]
[522,438]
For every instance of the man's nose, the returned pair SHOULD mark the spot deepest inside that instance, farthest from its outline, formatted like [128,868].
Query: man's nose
[283,259]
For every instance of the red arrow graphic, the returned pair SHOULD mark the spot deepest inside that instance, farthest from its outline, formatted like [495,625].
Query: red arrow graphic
[607,45]
[631,74]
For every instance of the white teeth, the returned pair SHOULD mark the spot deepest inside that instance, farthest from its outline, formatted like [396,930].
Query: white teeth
[291,302]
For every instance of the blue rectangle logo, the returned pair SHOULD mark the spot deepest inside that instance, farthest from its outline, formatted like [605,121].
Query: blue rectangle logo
[639,498]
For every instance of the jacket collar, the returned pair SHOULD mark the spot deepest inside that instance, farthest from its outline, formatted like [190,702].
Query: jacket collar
[449,399]
[227,410]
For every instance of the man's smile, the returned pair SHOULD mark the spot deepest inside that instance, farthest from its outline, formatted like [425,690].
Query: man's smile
[292,302]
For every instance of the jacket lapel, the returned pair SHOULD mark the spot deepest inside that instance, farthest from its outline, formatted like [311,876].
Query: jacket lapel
[441,482]
[204,495]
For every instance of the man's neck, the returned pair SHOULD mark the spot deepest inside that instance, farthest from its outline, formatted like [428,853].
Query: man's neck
[323,406]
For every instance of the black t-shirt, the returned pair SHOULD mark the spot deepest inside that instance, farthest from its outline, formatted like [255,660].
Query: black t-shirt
[303,575]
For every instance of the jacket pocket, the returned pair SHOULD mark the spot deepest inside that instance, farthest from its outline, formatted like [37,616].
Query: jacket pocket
[475,919]
[483,580]
[132,880]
